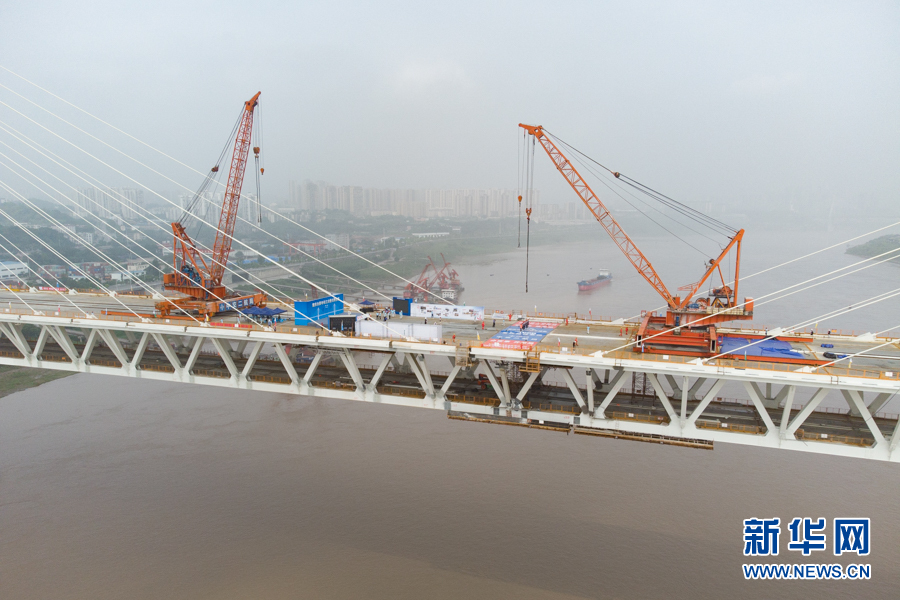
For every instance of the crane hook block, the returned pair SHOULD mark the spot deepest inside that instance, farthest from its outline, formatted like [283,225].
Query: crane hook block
[520,198]
[256,150]
[262,170]
[215,169]
[616,173]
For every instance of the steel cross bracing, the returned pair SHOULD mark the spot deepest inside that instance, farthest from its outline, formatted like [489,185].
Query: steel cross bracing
[676,403]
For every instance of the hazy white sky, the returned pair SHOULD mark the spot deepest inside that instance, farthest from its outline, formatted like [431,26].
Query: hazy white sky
[709,100]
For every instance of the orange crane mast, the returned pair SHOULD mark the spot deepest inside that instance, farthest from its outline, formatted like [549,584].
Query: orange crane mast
[698,316]
[199,280]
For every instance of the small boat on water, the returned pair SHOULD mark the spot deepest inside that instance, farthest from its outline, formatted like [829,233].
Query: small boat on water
[592,284]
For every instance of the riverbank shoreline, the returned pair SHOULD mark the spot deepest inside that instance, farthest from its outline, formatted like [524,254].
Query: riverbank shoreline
[18,379]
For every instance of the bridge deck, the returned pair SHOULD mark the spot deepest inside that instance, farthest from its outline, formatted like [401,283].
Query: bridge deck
[637,396]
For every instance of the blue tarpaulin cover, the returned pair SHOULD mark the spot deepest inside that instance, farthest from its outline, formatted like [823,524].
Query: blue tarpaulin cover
[766,348]
[516,333]
[256,311]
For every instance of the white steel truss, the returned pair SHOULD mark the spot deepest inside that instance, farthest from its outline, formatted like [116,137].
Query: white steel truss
[675,403]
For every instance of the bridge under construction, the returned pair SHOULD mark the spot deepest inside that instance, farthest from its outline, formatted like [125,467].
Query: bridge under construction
[552,387]
[684,377]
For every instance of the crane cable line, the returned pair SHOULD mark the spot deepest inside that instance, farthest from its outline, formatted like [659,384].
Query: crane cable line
[209,178]
[260,169]
[675,235]
[191,168]
[593,171]
[519,188]
[597,174]
[715,229]
[529,204]
[693,213]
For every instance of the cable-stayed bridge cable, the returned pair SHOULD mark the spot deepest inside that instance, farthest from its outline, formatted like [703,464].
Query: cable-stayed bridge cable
[799,258]
[91,247]
[189,189]
[289,304]
[39,276]
[835,313]
[893,254]
[54,251]
[4,125]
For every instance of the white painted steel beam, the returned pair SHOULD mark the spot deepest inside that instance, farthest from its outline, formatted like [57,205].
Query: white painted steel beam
[615,385]
[807,410]
[230,343]
[567,375]
[373,384]
[661,394]
[786,414]
[710,395]
[756,398]
[489,371]
[254,356]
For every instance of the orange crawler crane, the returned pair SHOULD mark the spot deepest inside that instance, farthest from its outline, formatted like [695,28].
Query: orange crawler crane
[201,281]
[688,327]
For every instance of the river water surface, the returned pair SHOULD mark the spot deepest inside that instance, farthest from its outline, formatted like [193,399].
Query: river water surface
[120,488]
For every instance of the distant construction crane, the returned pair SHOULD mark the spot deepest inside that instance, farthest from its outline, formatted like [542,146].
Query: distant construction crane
[443,282]
[688,326]
[201,281]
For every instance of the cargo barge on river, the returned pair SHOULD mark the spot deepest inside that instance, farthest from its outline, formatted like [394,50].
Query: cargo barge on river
[602,278]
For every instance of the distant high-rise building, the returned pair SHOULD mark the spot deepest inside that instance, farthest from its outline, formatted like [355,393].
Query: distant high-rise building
[109,202]
[416,203]
[128,201]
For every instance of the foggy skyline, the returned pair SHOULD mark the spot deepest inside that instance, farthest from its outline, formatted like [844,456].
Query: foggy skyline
[708,103]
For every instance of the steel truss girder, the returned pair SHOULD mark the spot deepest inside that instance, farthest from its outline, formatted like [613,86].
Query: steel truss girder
[686,380]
